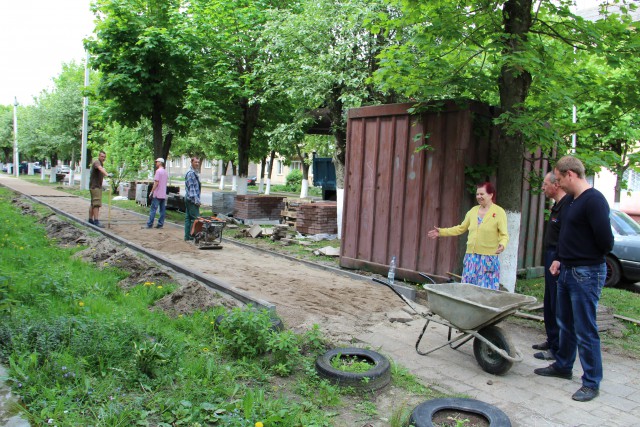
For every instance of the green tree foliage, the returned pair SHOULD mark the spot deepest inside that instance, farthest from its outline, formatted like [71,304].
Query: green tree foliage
[6,132]
[229,91]
[144,50]
[516,54]
[324,54]
[52,128]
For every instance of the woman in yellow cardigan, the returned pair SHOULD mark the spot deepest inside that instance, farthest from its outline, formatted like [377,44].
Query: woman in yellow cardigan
[487,225]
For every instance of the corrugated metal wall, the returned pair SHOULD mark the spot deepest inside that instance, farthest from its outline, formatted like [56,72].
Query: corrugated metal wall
[394,194]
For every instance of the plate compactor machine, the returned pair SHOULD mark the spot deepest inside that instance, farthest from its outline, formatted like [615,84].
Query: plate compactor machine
[207,232]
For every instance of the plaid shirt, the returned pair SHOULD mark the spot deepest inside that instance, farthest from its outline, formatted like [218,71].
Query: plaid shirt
[192,186]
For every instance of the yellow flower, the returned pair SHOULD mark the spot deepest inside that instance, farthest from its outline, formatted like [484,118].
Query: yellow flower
[205,349]
[81,304]
[259,424]
[159,286]
[180,315]
[148,283]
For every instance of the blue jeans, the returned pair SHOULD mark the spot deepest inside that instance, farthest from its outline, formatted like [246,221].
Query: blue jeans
[155,203]
[550,303]
[579,290]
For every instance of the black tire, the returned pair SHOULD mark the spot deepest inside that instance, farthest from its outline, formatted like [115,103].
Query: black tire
[422,415]
[373,379]
[488,359]
[614,272]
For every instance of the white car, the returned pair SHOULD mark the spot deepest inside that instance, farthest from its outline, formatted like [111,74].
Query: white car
[64,169]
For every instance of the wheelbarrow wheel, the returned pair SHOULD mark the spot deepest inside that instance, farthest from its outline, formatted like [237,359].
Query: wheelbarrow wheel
[490,360]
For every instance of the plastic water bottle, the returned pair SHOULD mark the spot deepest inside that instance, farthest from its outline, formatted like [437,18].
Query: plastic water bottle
[392,271]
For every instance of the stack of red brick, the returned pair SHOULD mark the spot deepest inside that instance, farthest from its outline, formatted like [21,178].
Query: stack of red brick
[317,218]
[253,206]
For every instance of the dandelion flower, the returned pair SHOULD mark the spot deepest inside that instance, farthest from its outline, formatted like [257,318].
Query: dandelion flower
[81,303]
[259,424]
[205,349]
[159,286]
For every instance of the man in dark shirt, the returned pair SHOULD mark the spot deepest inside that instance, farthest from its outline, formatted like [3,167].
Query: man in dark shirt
[549,348]
[585,238]
[96,175]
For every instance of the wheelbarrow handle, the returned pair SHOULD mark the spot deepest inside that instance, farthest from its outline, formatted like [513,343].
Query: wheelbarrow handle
[405,299]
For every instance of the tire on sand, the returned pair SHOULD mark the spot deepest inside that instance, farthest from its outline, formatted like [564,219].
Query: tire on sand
[374,379]
[422,415]
[488,359]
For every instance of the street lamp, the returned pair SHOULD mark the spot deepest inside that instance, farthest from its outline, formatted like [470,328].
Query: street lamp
[15,137]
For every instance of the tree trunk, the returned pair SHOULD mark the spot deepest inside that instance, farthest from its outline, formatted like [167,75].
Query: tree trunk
[514,83]
[250,115]
[156,125]
[168,139]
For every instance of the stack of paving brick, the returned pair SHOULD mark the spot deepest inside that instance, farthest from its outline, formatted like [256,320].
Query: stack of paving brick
[317,218]
[251,206]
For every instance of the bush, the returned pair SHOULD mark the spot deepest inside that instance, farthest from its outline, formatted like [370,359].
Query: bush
[294,180]
[245,332]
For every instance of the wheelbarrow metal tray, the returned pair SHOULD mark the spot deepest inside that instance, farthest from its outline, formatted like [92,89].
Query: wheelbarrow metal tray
[468,307]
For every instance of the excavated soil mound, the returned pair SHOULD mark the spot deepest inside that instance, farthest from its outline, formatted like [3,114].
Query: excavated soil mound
[99,249]
[65,233]
[190,298]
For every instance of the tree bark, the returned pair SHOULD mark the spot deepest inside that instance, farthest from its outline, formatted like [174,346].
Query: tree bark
[250,115]
[514,83]
[156,125]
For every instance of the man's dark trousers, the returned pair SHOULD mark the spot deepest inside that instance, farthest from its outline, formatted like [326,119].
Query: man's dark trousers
[550,298]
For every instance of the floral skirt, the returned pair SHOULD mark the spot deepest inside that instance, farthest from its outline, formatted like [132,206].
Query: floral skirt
[482,270]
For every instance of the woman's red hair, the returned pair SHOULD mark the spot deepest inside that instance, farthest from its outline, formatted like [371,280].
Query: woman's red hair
[489,188]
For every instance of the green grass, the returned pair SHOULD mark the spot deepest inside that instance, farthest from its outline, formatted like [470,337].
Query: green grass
[623,302]
[83,351]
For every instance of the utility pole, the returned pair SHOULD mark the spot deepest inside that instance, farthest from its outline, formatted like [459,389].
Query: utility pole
[84,173]
[16,161]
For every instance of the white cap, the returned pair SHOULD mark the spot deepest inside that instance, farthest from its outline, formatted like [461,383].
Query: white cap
[160,159]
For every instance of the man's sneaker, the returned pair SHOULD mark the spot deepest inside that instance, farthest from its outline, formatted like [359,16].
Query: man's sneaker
[158,226]
[544,346]
[90,221]
[585,394]
[550,371]
[545,355]
[98,224]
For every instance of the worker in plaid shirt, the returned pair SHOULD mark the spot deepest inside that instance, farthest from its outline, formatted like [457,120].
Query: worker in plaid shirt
[191,197]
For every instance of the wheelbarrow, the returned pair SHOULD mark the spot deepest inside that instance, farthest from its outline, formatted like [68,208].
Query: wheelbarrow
[207,232]
[473,312]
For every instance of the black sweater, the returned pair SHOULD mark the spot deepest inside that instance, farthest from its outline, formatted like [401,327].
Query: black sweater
[585,234]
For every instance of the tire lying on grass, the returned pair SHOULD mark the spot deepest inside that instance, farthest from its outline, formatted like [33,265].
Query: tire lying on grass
[422,415]
[374,379]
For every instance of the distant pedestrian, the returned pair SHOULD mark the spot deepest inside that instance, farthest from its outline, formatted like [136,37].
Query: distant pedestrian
[585,238]
[553,191]
[487,226]
[96,175]
[191,197]
[158,194]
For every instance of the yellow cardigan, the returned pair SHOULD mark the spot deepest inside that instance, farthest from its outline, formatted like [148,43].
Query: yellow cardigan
[483,238]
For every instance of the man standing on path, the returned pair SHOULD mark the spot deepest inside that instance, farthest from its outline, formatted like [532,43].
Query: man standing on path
[158,194]
[585,238]
[96,175]
[191,197]
[549,348]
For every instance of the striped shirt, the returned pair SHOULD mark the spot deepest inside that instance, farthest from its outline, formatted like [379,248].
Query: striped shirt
[192,186]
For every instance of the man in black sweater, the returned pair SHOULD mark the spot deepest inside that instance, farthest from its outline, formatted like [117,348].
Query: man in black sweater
[585,238]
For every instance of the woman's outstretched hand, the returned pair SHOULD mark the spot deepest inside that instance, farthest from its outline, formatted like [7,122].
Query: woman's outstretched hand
[500,249]
[434,234]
